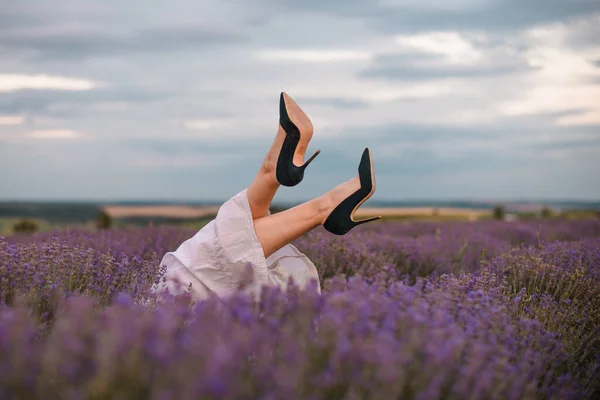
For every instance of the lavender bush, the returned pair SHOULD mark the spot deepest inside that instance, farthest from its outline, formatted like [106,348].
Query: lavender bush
[485,310]
[354,342]
[129,242]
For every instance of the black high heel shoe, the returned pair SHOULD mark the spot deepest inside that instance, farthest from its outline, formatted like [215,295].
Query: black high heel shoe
[340,221]
[287,173]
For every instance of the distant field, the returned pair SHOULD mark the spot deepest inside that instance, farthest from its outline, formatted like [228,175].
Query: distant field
[164,211]
[416,212]
[197,216]
[190,212]
[65,215]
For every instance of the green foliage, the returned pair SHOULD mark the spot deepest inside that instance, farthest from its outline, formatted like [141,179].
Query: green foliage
[25,226]
[546,212]
[103,220]
[499,212]
[579,214]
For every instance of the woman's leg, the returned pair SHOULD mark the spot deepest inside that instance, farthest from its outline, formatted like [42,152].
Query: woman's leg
[264,186]
[275,231]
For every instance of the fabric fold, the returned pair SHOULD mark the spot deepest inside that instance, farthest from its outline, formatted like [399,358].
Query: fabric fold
[220,257]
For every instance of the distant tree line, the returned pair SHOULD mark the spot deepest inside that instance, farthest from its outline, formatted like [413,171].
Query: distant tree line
[499,212]
[51,212]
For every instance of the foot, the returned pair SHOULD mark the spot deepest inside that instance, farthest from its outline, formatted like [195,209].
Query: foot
[338,194]
[305,126]
[303,123]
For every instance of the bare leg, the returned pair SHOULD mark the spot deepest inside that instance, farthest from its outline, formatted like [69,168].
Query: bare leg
[264,186]
[275,231]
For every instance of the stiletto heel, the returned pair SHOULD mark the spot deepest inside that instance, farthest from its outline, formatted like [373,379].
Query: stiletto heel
[287,173]
[340,221]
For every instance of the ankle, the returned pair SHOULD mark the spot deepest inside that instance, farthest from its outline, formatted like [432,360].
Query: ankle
[267,173]
[267,168]
[330,200]
[323,207]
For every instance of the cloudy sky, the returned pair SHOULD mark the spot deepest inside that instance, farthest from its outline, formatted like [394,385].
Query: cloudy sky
[178,100]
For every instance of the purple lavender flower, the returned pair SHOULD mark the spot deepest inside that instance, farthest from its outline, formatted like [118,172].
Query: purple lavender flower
[478,310]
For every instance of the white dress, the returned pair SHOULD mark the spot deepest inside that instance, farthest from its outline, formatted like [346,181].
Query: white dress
[220,257]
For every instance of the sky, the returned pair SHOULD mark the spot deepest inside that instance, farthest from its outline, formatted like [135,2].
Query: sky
[178,100]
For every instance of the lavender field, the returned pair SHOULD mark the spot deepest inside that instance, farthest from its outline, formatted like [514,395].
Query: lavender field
[482,310]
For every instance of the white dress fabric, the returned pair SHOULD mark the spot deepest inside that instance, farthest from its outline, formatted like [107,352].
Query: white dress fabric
[221,256]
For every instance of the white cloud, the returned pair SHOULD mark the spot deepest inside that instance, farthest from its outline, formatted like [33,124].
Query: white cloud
[545,96]
[55,134]
[11,119]
[560,64]
[314,56]
[202,125]
[452,45]
[14,82]
[561,80]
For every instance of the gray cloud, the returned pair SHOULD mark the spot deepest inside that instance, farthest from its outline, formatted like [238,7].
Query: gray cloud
[585,34]
[428,149]
[565,113]
[10,19]
[191,147]
[76,31]
[336,102]
[72,45]
[513,132]
[566,144]
[413,65]
[420,162]
[166,64]
[58,103]
[419,173]
[406,17]
[381,69]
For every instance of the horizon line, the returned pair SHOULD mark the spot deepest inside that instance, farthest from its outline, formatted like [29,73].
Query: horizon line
[221,201]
